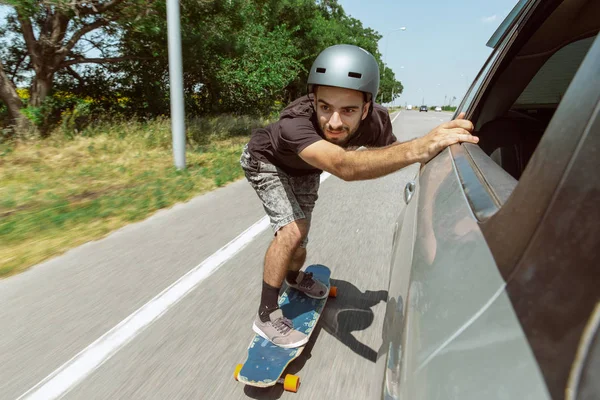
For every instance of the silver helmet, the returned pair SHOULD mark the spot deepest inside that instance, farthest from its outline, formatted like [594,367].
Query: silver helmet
[345,66]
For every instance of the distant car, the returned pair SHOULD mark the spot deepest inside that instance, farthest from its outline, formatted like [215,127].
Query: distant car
[409,107]
[495,267]
[438,109]
[423,108]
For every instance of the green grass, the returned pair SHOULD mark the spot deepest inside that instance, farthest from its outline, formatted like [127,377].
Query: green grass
[59,193]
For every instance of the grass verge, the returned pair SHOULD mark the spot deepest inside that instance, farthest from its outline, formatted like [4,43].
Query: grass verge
[59,193]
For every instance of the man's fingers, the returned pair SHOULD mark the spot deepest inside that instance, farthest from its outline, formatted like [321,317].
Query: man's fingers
[459,123]
[458,131]
[461,115]
[464,124]
[468,138]
[462,135]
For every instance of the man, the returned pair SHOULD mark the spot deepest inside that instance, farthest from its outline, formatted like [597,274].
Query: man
[316,133]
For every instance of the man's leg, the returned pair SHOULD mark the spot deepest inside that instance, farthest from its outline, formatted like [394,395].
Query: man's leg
[288,220]
[298,259]
[270,322]
[296,264]
[285,252]
[305,189]
[281,257]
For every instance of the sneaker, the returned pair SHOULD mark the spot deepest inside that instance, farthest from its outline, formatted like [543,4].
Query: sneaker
[308,285]
[279,331]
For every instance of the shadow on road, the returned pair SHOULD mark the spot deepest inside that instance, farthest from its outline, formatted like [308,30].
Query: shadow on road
[351,312]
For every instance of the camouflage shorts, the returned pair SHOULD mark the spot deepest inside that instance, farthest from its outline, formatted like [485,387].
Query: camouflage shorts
[285,198]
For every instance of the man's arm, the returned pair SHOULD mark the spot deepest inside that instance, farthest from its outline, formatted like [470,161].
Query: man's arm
[361,165]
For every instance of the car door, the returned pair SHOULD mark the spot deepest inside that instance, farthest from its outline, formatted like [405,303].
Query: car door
[544,237]
[452,327]
[405,337]
[401,334]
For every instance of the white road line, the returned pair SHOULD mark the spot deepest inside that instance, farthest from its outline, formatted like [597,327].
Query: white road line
[397,115]
[63,379]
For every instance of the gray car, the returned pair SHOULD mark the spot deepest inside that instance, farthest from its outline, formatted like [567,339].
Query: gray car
[495,272]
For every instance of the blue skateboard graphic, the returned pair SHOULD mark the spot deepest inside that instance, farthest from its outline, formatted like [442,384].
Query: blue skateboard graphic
[266,362]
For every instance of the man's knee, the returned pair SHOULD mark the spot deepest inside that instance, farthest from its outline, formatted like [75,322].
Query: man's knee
[294,232]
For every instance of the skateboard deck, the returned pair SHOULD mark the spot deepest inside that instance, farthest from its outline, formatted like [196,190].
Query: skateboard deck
[266,362]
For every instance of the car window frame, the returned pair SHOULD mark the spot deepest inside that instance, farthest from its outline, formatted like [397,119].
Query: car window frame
[481,83]
[479,175]
[518,10]
[501,41]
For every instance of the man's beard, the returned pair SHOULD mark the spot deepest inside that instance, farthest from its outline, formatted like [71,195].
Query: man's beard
[339,141]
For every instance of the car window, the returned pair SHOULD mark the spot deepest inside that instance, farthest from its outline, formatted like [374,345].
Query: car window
[510,139]
[517,93]
[481,81]
[550,83]
[470,96]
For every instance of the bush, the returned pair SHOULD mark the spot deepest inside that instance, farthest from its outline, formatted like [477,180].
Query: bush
[157,133]
[59,109]
[73,121]
[201,130]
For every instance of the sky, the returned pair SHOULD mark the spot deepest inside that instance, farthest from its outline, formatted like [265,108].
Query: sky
[443,47]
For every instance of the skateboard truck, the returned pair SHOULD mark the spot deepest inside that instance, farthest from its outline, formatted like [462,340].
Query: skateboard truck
[291,383]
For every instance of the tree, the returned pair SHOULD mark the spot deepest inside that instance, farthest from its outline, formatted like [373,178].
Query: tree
[238,55]
[389,87]
[253,82]
[52,35]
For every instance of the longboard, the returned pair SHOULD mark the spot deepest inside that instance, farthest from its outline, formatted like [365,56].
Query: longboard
[266,362]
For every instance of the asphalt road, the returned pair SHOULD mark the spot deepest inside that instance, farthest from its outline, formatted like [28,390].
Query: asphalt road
[93,324]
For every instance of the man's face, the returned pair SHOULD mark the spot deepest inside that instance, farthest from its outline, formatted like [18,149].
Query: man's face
[340,112]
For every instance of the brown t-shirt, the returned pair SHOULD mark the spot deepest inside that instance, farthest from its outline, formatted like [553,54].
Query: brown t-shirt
[280,142]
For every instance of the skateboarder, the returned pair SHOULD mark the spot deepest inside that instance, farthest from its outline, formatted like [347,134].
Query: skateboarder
[316,133]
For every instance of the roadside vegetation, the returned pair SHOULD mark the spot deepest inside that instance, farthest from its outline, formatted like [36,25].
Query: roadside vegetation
[60,192]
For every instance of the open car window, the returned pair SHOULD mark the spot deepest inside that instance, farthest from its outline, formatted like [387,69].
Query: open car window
[522,93]
[511,139]
[531,81]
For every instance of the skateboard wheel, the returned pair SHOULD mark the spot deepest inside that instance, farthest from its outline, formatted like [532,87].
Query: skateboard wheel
[291,383]
[333,291]
[238,368]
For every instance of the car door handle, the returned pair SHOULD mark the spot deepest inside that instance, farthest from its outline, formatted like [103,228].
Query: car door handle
[409,190]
